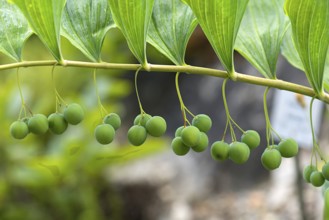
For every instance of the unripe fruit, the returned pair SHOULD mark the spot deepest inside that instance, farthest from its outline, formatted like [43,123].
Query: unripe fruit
[156,126]
[325,171]
[307,172]
[137,135]
[202,122]
[239,152]
[220,150]
[74,114]
[317,179]
[202,144]
[141,119]
[251,138]
[114,120]
[190,136]
[19,130]
[271,159]
[38,124]
[104,133]
[179,147]
[57,123]
[178,132]
[288,147]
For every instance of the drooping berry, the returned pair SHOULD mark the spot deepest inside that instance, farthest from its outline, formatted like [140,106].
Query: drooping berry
[239,152]
[137,135]
[57,123]
[156,126]
[19,130]
[38,124]
[202,144]
[202,122]
[288,147]
[190,136]
[251,138]
[325,171]
[179,147]
[220,150]
[74,114]
[317,179]
[113,119]
[178,132]
[308,170]
[271,158]
[141,119]
[104,133]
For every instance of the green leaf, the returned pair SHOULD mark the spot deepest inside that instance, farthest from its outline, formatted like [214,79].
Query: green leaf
[44,16]
[85,24]
[220,21]
[171,27]
[133,18]
[260,35]
[310,28]
[14,30]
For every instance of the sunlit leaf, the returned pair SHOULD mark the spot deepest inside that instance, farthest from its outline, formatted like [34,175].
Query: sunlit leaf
[171,27]
[85,23]
[310,31]
[14,30]
[44,16]
[133,18]
[260,35]
[220,21]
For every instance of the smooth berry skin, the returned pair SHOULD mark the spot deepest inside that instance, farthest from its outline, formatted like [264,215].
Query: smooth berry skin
[190,136]
[288,148]
[19,130]
[202,144]
[308,170]
[202,122]
[317,179]
[220,150]
[251,138]
[113,119]
[239,152]
[74,114]
[179,147]
[178,131]
[325,171]
[38,124]
[57,123]
[156,126]
[137,135]
[271,159]
[142,119]
[104,134]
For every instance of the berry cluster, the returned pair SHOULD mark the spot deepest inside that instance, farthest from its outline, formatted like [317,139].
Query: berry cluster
[317,178]
[105,132]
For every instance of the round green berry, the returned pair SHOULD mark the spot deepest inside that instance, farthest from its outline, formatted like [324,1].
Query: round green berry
[179,147]
[57,123]
[137,135]
[202,144]
[325,171]
[104,133]
[202,122]
[271,158]
[307,172]
[251,138]
[113,119]
[156,126]
[220,150]
[141,119]
[288,147]
[74,114]
[239,152]
[38,124]
[19,130]
[317,179]
[190,136]
[178,132]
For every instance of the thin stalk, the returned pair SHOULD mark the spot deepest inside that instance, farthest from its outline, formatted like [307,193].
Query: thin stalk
[137,94]
[101,108]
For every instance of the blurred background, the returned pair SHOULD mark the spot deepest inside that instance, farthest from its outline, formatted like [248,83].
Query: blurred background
[71,176]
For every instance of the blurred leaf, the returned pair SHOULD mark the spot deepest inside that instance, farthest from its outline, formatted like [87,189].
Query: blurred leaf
[326,204]
[220,21]
[310,28]
[44,16]
[133,18]
[85,24]
[171,27]
[14,30]
[260,35]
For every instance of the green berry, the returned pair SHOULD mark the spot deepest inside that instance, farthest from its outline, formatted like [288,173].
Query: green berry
[156,126]
[307,172]
[190,136]
[57,123]
[239,152]
[317,179]
[178,132]
[251,138]
[137,135]
[74,114]
[104,133]
[113,119]
[38,124]
[202,144]
[141,119]
[179,147]
[271,158]
[19,130]
[288,147]
[202,122]
[220,150]
[325,171]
